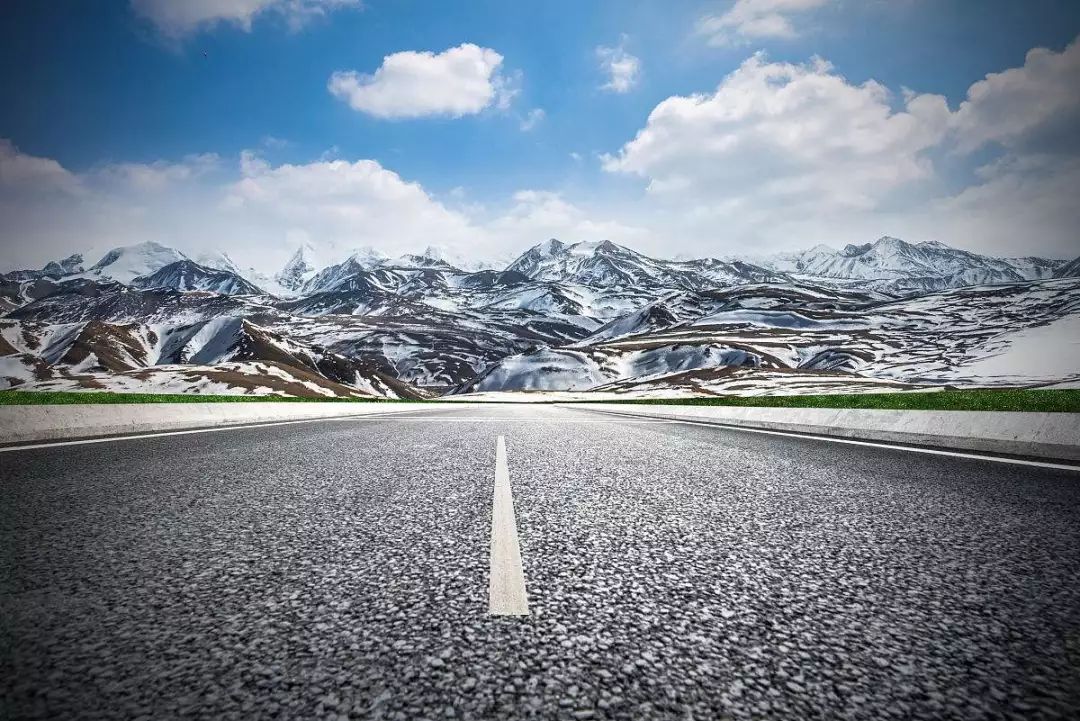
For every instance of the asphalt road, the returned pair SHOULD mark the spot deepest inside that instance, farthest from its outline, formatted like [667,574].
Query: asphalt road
[339,569]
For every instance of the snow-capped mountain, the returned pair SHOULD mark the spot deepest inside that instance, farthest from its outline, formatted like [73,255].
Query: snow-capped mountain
[582,316]
[416,260]
[219,260]
[463,261]
[301,267]
[368,257]
[604,264]
[921,266]
[127,263]
[189,275]
[68,266]
[599,264]
[54,269]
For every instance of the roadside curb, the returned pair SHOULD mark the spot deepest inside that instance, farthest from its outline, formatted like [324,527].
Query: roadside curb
[34,423]
[1052,436]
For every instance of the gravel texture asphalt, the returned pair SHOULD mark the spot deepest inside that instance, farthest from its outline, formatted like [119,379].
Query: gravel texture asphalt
[338,569]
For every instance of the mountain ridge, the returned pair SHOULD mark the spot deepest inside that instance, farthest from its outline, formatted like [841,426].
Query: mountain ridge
[590,315]
[889,262]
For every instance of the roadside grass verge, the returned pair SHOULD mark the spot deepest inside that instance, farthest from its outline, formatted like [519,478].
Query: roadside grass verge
[1043,401]
[1026,400]
[50,398]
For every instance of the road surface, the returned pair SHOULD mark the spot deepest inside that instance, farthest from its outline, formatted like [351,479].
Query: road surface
[340,569]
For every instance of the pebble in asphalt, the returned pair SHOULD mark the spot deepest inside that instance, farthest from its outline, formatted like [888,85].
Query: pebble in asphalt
[339,570]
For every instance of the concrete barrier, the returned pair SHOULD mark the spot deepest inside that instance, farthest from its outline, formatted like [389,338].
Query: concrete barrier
[20,424]
[1040,435]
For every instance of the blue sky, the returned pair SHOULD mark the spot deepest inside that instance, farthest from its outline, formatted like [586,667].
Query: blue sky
[127,121]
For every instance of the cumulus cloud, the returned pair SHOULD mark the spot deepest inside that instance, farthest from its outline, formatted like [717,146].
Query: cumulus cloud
[622,69]
[1019,206]
[459,81]
[796,133]
[749,20]
[777,156]
[541,214]
[177,18]
[22,172]
[257,210]
[343,203]
[1034,106]
[789,155]
[1025,197]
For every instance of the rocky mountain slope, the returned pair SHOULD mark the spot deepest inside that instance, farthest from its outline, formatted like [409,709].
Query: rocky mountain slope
[1069,270]
[582,316]
[189,275]
[770,337]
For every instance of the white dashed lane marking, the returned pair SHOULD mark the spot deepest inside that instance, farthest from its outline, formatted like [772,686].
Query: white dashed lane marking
[506,587]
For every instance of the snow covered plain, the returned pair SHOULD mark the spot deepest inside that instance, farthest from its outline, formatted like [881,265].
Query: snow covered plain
[569,319]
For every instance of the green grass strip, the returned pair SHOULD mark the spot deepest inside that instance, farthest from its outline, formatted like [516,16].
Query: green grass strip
[49,398]
[1042,401]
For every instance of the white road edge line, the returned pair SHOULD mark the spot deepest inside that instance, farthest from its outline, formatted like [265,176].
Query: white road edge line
[506,585]
[161,434]
[872,444]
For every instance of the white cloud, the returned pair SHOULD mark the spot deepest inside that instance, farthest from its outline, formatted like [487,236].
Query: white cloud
[20,172]
[755,19]
[778,132]
[622,69]
[344,204]
[778,156]
[459,81]
[539,214]
[177,18]
[275,143]
[1024,201]
[258,210]
[1032,105]
[159,174]
[785,155]
[1020,206]
[532,119]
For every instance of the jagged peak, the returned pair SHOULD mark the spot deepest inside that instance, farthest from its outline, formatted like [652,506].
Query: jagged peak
[851,250]
[549,246]
[303,255]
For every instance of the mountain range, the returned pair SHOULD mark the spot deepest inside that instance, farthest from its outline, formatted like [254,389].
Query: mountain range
[591,317]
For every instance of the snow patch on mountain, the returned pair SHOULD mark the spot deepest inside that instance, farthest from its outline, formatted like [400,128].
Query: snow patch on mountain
[543,369]
[126,263]
[1045,352]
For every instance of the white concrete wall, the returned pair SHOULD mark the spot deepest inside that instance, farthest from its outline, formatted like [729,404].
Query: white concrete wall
[58,422]
[1043,435]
